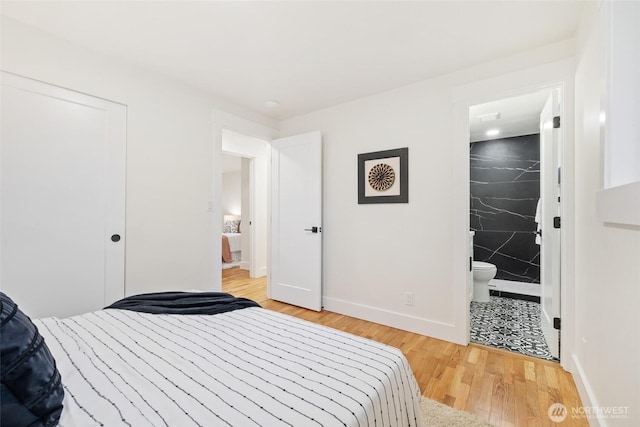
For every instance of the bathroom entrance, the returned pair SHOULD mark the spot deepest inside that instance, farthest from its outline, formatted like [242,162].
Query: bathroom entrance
[514,222]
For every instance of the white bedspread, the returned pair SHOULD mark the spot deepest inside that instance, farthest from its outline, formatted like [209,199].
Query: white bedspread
[247,367]
[235,241]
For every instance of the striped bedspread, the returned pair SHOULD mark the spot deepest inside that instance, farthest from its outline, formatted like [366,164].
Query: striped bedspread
[249,367]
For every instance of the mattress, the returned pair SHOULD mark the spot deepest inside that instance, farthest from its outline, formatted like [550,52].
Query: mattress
[235,241]
[246,367]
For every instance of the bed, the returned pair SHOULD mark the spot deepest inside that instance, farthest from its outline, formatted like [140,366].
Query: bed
[248,366]
[231,249]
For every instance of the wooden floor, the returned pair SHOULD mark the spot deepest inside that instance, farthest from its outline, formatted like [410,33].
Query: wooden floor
[500,387]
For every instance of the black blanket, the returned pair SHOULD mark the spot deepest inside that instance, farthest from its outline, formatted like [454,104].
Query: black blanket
[183,303]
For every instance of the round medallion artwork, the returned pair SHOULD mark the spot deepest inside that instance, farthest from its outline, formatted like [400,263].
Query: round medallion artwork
[381,177]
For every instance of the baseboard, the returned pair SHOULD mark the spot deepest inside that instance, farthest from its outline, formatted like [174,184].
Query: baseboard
[227,265]
[406,322]
[260,272]
[510,295]
[586,392]
[245,265]
[514,287]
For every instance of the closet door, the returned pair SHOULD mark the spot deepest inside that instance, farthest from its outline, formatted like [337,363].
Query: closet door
[62,181]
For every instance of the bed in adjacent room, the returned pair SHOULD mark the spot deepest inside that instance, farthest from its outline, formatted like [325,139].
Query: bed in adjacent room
[231,243]
[242,366]
[231,249]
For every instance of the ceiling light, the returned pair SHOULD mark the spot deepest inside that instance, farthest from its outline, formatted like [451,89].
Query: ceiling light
[272,104]
[603,117]
[489,117]
[493,132]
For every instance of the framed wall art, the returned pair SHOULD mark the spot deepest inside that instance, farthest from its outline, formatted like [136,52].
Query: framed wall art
[383,176]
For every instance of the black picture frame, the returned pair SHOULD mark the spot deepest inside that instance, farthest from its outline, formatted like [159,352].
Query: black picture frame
[403,175]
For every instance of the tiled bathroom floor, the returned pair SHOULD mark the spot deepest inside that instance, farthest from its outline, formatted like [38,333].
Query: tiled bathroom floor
[509,324]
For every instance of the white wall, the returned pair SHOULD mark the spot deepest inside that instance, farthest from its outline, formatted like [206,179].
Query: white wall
[607,267]
[374,253]
[169,154]
[231,193]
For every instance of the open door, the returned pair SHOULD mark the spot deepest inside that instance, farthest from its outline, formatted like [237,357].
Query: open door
[550,225]
[296,220]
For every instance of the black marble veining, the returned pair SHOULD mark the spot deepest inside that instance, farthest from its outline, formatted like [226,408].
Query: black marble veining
[505,188]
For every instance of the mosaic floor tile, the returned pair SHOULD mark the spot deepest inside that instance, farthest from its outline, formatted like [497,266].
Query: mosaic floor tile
[509,324]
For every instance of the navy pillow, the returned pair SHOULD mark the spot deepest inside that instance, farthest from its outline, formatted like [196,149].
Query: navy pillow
[32,390]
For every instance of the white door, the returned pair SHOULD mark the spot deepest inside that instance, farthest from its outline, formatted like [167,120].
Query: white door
[247,175]
[296,220]
[63,185]
[550,208]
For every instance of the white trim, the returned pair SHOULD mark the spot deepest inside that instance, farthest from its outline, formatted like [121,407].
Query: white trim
[262,271]
[619,205]
[462,250]
[226,121]
[252,219]
[522,288]
[554,74]
[251,253]
[585,391]
[417,325]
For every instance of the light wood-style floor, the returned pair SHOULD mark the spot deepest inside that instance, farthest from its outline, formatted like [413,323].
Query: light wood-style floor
[500,387]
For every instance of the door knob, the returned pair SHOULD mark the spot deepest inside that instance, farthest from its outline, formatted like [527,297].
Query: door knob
[115,238]
[312,229]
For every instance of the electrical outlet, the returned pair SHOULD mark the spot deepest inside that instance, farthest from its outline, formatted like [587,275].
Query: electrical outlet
[408,298]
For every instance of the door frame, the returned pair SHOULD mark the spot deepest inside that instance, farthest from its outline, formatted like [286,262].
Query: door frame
[252,266]
[225,121]
[550,161]
[555,74]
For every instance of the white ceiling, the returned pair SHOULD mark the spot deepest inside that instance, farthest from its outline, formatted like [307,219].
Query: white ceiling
[306,55]
[519,115]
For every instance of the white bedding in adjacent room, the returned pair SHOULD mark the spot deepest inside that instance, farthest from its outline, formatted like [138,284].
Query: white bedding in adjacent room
[235,241]
[241,368]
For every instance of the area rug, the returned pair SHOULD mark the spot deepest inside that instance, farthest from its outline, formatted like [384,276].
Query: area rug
[509,324]
[436,414]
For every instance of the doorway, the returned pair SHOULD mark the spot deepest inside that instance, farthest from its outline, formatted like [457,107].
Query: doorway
[243,208]
[514,197]
[236,212]
[235,135]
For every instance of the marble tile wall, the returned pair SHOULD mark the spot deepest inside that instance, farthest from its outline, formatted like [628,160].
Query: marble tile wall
[505,188]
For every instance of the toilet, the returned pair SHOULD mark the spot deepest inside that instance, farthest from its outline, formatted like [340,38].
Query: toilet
[483,272]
